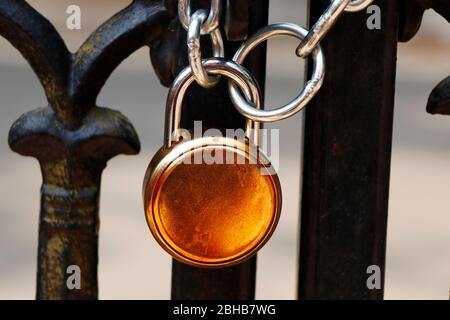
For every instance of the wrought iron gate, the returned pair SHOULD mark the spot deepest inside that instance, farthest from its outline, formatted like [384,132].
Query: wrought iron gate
[342,232]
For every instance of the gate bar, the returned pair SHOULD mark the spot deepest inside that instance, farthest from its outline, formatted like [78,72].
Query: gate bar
[215,109]
[347,153]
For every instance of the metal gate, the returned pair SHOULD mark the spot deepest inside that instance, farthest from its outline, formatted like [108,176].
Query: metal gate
[345,175]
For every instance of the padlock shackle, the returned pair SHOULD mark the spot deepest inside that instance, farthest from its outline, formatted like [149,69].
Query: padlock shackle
[216,66]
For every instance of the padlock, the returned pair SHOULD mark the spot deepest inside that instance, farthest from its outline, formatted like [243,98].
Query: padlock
[211,214]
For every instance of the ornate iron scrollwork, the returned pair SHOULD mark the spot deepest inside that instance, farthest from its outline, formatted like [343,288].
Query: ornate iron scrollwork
[72,137]
[410,21]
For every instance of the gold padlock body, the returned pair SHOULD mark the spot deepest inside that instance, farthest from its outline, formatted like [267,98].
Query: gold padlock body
[209,214]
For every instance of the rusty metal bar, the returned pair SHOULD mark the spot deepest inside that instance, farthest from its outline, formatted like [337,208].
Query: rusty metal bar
[347,154]
[72,137]
[237,282]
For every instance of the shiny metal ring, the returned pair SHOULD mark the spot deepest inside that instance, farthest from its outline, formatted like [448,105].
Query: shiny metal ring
[195,53]
[326,21]
[238,74]
[357,5]
[309,91]
[211,24]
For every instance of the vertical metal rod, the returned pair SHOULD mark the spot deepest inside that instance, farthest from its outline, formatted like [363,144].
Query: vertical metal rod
[347,152]
[214,108]
[68,229]
[73,138]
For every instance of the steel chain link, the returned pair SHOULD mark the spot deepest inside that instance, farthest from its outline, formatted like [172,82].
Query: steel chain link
[203,23]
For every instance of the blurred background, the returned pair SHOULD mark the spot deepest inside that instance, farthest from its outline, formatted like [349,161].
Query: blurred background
[132,266]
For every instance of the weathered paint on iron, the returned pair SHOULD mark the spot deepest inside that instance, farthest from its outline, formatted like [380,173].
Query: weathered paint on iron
[72,137]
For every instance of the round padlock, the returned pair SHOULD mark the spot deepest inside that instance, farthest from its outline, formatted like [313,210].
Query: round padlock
[211,213]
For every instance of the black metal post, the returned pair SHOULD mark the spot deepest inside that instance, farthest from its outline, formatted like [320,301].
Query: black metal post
[215,109]
[347,158]
[72,137]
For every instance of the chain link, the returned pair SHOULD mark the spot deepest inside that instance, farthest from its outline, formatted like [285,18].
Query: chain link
[211,24]
[201,23]
[358,5]
[326,21]
[304,97]
[194,49]
[197,24]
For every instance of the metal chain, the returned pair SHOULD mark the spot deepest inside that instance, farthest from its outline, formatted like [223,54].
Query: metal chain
[309,46]
[309,91]
[201,23]
[212,23]
[197,24]
[327,21]
[194,49]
